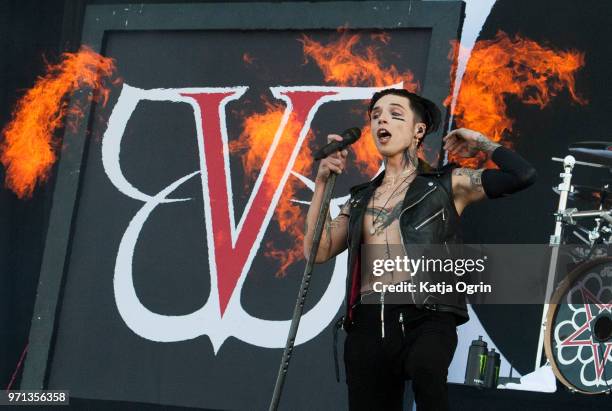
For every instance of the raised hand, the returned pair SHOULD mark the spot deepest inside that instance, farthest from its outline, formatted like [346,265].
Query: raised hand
[466,143]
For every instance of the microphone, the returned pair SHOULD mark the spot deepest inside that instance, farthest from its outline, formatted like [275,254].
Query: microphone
[349,136]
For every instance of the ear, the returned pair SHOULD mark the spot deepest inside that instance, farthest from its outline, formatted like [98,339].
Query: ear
[420,129]
[419,132]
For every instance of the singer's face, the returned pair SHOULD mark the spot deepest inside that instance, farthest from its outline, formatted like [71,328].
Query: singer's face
[393,125]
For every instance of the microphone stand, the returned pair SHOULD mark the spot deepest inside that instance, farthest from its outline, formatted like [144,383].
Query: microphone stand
[299,305]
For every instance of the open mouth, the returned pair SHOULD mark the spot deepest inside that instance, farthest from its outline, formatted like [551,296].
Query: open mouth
[383,135]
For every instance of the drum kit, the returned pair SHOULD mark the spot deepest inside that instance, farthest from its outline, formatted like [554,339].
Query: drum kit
[576,328]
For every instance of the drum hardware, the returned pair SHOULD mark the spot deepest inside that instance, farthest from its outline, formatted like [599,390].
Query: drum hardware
[600,197]
[555,240]
[599,152]
[602,230]
[576,328]
[580,163]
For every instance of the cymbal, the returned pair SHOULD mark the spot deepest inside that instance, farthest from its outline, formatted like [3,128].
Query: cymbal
[590,194]
[599,152]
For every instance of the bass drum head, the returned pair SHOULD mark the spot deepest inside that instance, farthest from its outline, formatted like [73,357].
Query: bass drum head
[578,340]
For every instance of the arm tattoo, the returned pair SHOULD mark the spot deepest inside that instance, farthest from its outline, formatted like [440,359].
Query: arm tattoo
[486,145]
[327,237]
[345,209]
[329,223]
[474,175]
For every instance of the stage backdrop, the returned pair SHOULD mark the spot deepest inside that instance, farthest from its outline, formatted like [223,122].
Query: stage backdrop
[183,242]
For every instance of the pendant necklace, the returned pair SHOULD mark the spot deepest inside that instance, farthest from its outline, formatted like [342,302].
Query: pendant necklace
[375,220]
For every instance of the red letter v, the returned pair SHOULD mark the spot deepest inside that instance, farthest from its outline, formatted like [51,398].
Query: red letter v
[234,247]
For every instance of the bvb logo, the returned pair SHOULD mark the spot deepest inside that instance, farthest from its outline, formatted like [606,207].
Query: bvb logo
[232,247]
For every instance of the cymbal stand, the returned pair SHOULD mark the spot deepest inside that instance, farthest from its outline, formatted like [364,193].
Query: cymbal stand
[555,241]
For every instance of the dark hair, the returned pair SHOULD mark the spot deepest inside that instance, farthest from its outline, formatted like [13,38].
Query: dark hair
[425,111]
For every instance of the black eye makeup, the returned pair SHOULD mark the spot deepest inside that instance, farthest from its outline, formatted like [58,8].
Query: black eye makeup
[395,115]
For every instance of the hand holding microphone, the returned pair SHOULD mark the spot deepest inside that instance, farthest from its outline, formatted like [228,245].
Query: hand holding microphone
[333,155]
[335,162]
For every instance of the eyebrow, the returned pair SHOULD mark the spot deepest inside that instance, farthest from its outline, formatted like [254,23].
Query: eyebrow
[392,104]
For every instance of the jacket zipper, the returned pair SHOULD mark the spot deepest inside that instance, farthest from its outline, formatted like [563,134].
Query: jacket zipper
[382,296]
[348,242]
[441,211]
[418,201]
[400,231]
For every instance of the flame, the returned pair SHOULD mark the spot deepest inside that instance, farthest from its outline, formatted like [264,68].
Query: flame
[367,157]
[343,64]
[504,67]
[259,130]
[28,150]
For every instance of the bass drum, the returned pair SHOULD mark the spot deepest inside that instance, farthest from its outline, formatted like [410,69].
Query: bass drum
[578,340]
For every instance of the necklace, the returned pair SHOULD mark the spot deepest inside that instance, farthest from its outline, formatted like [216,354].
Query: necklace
[391,181]
[373,229]
[396,177]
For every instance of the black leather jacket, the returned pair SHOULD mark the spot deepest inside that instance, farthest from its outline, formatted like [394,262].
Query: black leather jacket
[428,217]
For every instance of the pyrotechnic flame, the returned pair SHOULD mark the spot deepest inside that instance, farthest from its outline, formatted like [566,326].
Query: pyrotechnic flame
[344,65]
[252,146]
[504,67]
[341,64]
[28,149]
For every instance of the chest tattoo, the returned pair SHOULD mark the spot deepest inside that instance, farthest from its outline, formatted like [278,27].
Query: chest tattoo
[382,217]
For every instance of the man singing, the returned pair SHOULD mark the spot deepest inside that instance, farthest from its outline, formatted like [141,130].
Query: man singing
[407,203]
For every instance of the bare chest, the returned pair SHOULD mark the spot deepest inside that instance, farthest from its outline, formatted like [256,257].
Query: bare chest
[381,219]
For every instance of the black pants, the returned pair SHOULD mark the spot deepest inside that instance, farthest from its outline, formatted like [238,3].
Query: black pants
[376,367]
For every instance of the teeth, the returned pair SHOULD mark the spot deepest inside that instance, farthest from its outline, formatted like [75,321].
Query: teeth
[383,134]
